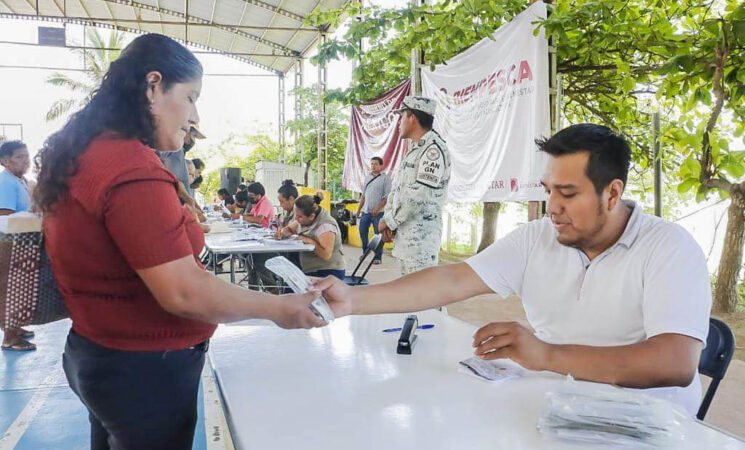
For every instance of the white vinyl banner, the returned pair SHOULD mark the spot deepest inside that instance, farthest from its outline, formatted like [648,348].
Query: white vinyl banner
[492,103]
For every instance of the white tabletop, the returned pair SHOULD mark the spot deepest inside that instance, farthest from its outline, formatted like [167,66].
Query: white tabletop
[344,387]
[226,243]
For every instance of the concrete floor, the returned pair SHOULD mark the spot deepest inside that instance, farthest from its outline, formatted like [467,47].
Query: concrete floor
[727,411]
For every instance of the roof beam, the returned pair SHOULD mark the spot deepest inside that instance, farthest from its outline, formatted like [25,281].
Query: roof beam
[111,13]
[2,2]
[199,20]
[139,20]
[136,31]
[87,47]
[276,10]
[212,19]
[270,24]
[59,8]
[157,5]
[306,49]
[35,8]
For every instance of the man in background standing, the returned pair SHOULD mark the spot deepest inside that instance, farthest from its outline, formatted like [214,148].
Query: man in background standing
[175,162]
[414,213]
[374,197]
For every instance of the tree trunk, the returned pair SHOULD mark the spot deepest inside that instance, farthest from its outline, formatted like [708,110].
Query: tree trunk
[489,234]
[305,175]
[725,296]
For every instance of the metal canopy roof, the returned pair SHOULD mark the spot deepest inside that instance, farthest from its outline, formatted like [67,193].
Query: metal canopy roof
[264,33]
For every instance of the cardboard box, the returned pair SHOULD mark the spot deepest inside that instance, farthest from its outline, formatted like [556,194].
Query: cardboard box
[21,222]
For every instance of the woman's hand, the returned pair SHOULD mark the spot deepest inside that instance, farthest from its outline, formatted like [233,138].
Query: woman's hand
[337,294]
[293,311]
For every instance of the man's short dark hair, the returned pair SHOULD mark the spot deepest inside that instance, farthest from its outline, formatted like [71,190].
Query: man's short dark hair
[610,155]
[198,163]
[256,189]
[9,148]
[241,196]
[424,119]
[378,159]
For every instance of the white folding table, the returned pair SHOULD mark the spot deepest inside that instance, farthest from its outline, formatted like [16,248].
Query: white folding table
[344,387]
[227,244]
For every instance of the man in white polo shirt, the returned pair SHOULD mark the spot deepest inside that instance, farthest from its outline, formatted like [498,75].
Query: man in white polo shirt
[614,295]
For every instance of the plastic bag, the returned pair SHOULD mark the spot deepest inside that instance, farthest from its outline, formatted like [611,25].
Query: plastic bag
[604,414]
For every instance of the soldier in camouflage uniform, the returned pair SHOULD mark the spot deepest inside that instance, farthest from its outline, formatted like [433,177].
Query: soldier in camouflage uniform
[414,211]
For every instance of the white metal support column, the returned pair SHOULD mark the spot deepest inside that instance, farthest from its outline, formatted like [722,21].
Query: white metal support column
[537,209]
[417,59]
[282,117]
[657,164]
[299,107]
[322,154]
[553,89]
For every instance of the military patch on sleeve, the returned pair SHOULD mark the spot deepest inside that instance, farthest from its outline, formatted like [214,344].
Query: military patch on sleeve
[431,167]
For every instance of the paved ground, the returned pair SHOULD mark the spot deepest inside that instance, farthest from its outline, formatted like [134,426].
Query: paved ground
[727,410]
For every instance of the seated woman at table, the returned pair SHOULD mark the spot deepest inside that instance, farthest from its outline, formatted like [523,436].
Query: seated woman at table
[262,211]
[125,254]
[314,225]
[227,200]
[286,194]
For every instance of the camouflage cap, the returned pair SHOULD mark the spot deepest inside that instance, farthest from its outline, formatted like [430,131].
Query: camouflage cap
[423,104]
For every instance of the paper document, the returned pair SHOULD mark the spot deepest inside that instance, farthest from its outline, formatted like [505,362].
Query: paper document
[488,370]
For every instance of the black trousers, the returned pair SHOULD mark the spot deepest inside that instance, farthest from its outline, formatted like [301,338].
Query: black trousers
[136,400]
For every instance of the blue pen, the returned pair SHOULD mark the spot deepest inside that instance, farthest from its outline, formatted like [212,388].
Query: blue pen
[426,326]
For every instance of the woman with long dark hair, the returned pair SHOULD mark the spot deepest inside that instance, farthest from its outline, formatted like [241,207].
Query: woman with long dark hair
[286,195]
[124,253]
[314,225]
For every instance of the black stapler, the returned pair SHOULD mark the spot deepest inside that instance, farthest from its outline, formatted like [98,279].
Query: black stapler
[408,336]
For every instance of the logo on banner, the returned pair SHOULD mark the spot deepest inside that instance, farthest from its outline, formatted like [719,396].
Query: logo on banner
[514,185]
[498,80]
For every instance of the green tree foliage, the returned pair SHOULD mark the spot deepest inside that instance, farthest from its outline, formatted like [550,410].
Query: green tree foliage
[389,35]
[96,60]
[306,128]
[245,150]
[620,60]
[237,150]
